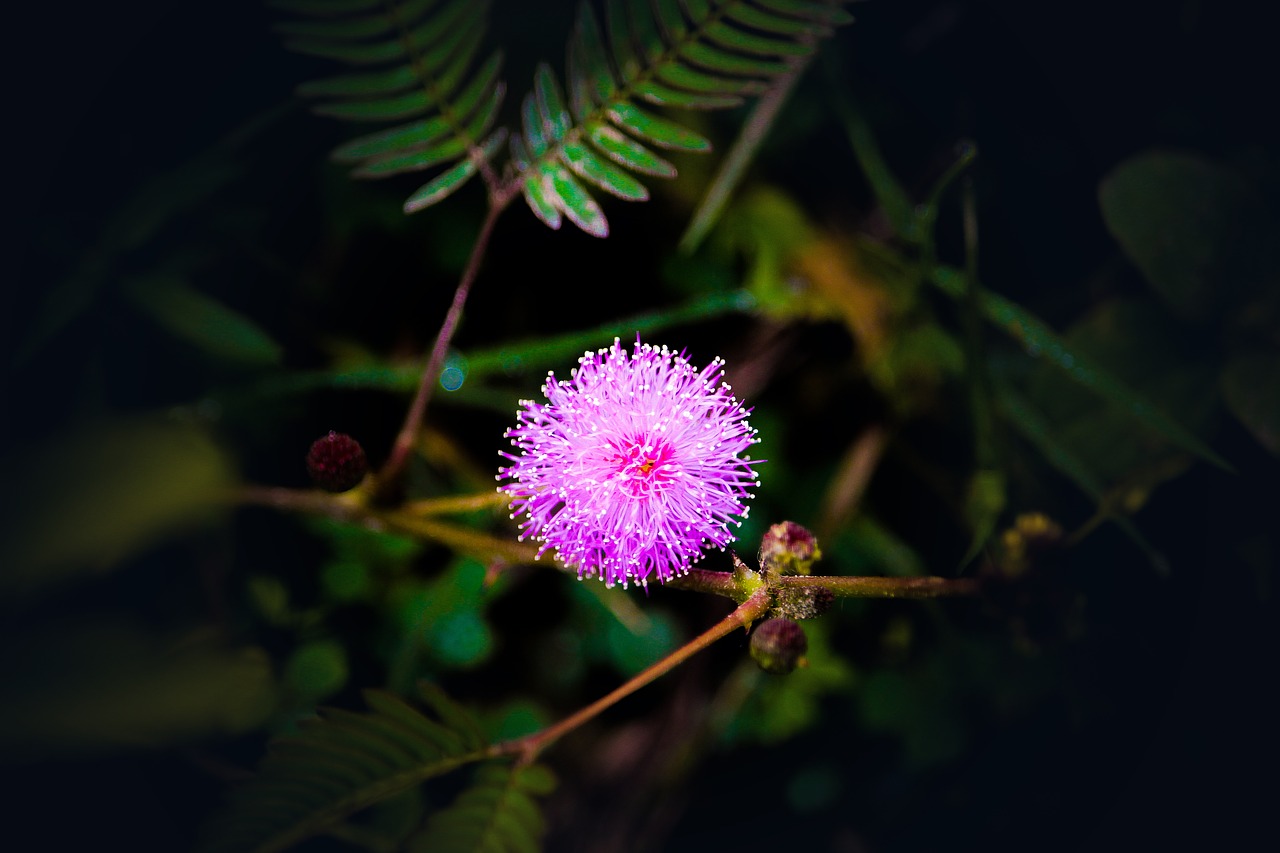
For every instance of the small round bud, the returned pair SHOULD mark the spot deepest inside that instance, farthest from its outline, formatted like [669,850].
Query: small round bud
[778,645]
[788,549]
[337,462]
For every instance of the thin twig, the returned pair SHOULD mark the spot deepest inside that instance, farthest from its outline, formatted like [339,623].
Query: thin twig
[704,580]
[352,507]
[725,584]
[450,504]
[389,475]
[527,748]
[851,479]
[347,505]
[872,587]
[465,539]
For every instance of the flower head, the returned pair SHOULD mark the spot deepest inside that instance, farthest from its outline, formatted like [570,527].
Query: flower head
[633,466]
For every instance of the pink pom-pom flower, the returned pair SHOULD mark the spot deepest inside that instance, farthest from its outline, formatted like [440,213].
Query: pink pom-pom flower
[634,465]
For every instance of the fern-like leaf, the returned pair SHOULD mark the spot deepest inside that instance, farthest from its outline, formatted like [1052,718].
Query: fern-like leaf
[418,65]
[340,763]
[695,54]
[497,814]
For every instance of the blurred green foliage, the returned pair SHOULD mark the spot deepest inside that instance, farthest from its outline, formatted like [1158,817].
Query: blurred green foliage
[87,499]
[232,299]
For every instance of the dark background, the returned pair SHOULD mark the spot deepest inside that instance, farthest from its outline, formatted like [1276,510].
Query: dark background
[102,97]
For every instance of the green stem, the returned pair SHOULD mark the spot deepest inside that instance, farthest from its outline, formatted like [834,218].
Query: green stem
[527,748]
[742,587]
[730,586]
[465,540]
[869,587]
[717,583]
[353,507]
[455,503]
[348,506]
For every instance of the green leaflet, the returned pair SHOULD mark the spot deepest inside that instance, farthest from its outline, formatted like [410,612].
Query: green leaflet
[533,187]
[697,81]
[646,33]
[363,84]
[627,59]
[726,62]
[769,22]
[451,148]
[497,814]
[373,53]
[418,134]
[590,80]
[429,47]
[727,36]
[396,107]
[535,130]
[698,10]
[410,722]
[539,200]
[340,763]
[412,161]
[625,151]
[555,116]
[483,90]
[670,20]
[827,13]
[551,187]
[659,131]
[449,182]
[203,322]
[440,187]
[452,714]
[678,53]
[576,203]
[466,45]
[591,167]
[681,53]
[416,102]
[663,95]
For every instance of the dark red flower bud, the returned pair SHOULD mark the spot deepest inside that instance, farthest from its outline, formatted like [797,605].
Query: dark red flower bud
[337,462]
[778,645]
[788,549]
